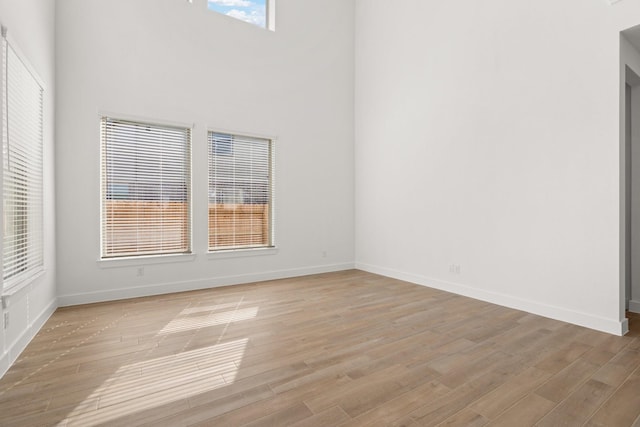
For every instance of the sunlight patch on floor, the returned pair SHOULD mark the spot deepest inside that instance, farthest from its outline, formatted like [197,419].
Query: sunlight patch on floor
[163,380]
[207,308]
[188,323]
[149,384]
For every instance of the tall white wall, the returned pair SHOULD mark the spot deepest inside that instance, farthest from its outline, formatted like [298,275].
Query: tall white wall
[168,60]
[487,137]
[30,25]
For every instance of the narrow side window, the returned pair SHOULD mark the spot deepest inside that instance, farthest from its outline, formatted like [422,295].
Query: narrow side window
[22,141]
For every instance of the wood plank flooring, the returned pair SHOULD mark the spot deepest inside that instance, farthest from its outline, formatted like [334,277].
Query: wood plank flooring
[339,349]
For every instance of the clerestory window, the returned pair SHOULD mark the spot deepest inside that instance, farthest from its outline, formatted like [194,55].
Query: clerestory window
[256,12]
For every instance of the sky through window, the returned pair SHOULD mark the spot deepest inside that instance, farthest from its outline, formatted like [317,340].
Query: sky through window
[251,11]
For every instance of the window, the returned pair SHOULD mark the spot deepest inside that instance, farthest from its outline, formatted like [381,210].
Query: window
[22,139]
[221,144]
[256,12]
[240,192]
[145,189]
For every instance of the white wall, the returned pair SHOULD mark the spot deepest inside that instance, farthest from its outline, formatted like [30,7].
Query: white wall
[30,25]
[487,136]
[168,60]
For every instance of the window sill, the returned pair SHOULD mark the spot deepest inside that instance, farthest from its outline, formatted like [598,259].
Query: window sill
[18,289]
[241,253]
[144,260]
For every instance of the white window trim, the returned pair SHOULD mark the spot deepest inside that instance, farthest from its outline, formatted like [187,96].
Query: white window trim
[136,261]
[249,251]
[15,288]
[153,258]
[16,292]
[242,253]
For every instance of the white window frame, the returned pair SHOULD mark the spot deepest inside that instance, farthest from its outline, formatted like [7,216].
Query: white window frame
[28,151]
[107,259]
[270,15]
[241,250]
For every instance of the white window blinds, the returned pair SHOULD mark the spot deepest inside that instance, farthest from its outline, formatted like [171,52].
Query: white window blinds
[145,189]
[22,139]
[240,192]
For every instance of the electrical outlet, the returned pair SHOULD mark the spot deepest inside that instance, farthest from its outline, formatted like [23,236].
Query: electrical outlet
[454,268]
[140,272]
[324,254]
[6,320]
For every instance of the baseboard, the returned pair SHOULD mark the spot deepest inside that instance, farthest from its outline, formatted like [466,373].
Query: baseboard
[192,285]
[4,364]
[13,352]
[553,312]
[624,327]
[634,306]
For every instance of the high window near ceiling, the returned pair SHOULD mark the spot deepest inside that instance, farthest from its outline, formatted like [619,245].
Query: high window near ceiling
[240,192]
[22,141]
[146,201]
[256,12]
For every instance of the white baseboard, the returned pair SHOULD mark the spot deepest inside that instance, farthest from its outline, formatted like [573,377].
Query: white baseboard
[12,353]
[610,326]
[634,306]
[4,364]
[192,285]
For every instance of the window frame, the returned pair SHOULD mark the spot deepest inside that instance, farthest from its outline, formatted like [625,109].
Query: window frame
[269,15]
[146,258]
[245,250]
[34,256]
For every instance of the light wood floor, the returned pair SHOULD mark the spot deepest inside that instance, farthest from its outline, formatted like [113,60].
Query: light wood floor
[347,348]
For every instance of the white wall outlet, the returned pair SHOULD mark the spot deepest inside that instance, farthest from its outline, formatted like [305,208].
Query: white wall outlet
[454,268]
[6,320]
[140,272]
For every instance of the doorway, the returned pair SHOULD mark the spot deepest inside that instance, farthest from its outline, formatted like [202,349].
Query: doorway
[631,289]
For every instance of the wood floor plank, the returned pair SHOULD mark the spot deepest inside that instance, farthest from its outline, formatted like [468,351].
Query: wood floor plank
[441,409]
[494,403]
[616,371]
[395,409]
[331,417]
[464,418]
[567,380]
[525,412]
[622,408]
[283,417]
[579,406]
[340,349]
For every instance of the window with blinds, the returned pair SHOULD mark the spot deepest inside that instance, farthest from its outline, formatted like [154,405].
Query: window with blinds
[22,139]
[145,189]
[240,192]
